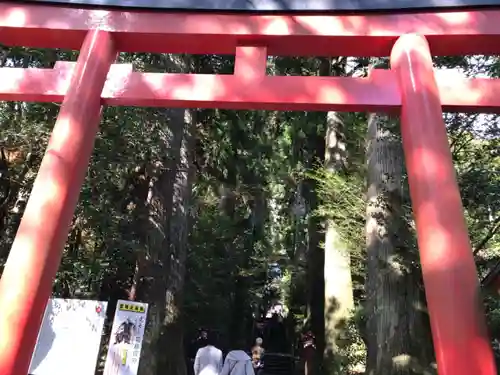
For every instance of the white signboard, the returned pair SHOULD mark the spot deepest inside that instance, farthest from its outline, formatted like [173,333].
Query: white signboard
[126,338]
[69,338]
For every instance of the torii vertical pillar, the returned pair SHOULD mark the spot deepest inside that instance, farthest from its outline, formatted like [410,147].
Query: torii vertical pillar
[458,325]
[29,273]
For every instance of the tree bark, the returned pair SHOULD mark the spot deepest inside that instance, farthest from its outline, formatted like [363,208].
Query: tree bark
[339,299]
[398,333]
[315,254]
[172,336]
[162,279]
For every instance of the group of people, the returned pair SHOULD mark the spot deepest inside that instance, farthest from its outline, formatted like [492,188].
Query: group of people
[209,359]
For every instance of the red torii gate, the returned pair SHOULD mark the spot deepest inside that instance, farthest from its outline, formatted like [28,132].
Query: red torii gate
[460,337]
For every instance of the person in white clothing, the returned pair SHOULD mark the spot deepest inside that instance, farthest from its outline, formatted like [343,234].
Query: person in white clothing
[237,363]
[208,360]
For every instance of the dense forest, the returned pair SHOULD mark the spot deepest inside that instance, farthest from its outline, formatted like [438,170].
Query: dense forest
[213,216]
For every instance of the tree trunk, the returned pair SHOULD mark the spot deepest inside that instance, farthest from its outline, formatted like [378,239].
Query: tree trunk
[315,255]
[339,300]
[398,334]
[162,279]
[170,350]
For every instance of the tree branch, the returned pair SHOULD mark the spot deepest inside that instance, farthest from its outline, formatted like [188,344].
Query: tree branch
[491,276]
[493,230]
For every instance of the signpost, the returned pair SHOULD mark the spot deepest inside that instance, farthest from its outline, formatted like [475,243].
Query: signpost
[126,338]
[281,5]
[69,339]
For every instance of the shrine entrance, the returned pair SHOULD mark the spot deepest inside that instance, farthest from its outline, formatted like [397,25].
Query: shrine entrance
[410,87]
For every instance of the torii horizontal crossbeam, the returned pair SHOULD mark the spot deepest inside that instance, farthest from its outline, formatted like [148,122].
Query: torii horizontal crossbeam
[448,33]
[378,92]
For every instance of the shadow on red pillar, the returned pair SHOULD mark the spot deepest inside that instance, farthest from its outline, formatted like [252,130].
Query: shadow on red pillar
[26,283]
[458,325]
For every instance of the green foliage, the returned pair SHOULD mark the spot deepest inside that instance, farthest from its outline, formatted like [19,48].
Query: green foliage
[342,203]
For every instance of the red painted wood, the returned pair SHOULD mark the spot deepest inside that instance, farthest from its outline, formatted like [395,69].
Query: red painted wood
[123,87]
[31,267]
[250,63]
[458,325]
[449,33]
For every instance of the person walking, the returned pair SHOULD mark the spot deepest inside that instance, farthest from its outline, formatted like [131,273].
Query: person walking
[208,360]
[237,362]
[257,356]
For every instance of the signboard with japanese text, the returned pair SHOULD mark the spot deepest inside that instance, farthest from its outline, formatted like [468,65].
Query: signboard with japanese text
[281,5]
[69,338]
[126,338]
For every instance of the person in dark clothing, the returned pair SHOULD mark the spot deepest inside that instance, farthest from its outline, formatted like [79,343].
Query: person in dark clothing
[309,353]
[259,329]
[198,343]
[276,340]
